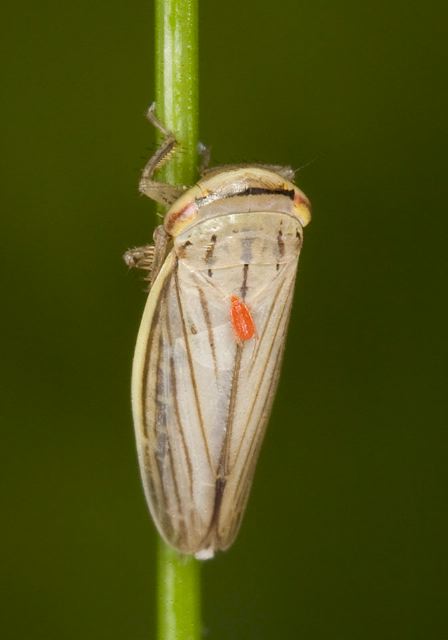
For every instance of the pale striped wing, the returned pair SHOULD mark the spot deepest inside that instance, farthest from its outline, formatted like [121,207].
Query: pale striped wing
[201,399]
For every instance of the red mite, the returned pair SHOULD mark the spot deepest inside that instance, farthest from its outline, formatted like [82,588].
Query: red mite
[242,322]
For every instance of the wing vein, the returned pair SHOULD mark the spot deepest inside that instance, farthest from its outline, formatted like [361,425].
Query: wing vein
[261,379]
[273,382]
[224,456]
[191,367]
[260,340]
[211,339]
[221,479]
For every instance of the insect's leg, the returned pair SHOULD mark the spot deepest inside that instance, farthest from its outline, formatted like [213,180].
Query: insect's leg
[159,191]
[150,257]
[140,258]
[161,248]
[204,152]
[154,120]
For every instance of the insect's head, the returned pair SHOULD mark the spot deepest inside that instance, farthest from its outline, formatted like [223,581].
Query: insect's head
[237,189]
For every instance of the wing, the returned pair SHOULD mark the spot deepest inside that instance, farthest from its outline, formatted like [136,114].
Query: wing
[201,399]
[252,391]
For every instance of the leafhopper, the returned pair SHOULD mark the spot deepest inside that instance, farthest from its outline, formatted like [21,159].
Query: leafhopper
[209,349]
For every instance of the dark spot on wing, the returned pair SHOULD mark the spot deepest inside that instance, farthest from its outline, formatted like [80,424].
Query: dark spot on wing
[209,254]
[182,250]
[280,244]
[281,247]
[244,285]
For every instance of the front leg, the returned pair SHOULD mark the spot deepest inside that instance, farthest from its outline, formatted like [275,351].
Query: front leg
[150,257]
[161,192]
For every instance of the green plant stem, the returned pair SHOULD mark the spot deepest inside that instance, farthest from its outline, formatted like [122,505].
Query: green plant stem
[177,83]
[179,595]
[176,25]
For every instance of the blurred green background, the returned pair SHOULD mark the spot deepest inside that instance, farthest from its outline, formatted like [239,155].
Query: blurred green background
[345,534]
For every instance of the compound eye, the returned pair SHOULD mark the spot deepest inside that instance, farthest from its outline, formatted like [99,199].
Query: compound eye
[302,207]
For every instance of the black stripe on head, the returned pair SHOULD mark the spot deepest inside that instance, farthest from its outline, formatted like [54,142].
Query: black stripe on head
[250,191]
[258,191]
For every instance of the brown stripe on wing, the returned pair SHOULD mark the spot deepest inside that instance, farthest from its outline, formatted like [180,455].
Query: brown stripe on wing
[211,339]
[284,314]
[173,381]
[248,466]
[147,357]
[191,367]
[162,460]
[257,438]
[152,468]
[243,288]
[223,467]
[220,485]
[162,513]
[158,441]
[244,485]
[222,472]
[266,324]
[208,258]
[147,459]
[281,248]
[163,449]
[180,533]
[280,243]
[153,456]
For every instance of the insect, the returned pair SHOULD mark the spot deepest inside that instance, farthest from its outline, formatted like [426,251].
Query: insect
[211,340]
